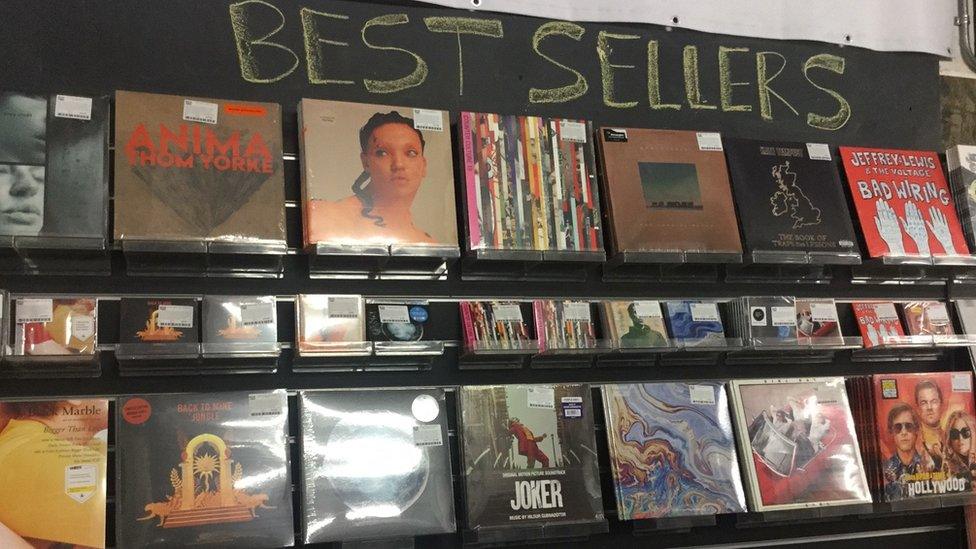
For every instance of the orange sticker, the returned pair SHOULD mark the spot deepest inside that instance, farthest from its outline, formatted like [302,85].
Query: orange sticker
[136,411]
[245,110]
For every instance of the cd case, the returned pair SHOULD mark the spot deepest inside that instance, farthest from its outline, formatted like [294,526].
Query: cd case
[634,324]
[239,320]
[329,323]
[55,327]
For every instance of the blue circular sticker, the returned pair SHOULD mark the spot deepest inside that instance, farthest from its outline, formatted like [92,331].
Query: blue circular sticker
[418,313]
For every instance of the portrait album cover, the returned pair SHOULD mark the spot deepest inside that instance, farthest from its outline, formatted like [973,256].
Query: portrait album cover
[375,464]
[376,174]
[634,324]
[53,462]
[197,169]
[159,321]
[329,319]
[667,191]
[61,326]
[927,318]
[240,319]
[54,166]
[878,322]
[495,324]
[203,470]
[816,319]
[672,450]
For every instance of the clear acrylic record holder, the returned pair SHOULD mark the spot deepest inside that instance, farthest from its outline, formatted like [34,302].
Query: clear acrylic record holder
[928,502]
[497,355]
[783,266]
[397,262]
[55,255]
[651,527]
[162,358]
[786,516]
[551,265]
[701,351]
[204,258]
[665,265]
[52,366]
[792,350]
[389,543]
[909,348]
[570,357]
[548,532]
[914,269]
[241,356]
[631,354]
[358,356]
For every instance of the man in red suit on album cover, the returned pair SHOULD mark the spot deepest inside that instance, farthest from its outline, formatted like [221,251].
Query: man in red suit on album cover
[528,443]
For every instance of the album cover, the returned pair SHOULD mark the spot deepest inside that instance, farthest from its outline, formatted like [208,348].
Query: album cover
[634,324]
[494,324]
[563,324]
[789,199]
[929,318]
[529,456]
[530,183]
[767,318]
[672,451]
[800,435]
[903,203]
[195,169]
[695,322]
[667,191]
[329,319]
[139,320]
[961,162]
[240,319]
[878,322]
[54,161]
[966,309]
[376,174]
[53,460]
[925,429]
[46,326]
[375,464]
[203,470]
[397,320]
[817,319]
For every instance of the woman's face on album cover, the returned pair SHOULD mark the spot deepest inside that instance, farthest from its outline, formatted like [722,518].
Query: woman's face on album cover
[394,159]
[21,199]
[961,445]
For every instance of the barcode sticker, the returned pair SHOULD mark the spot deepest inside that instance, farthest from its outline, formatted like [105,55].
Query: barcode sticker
[576,311]
[199,111]
[427,435]
[174,316]
[648,309]
[705,312]
[394,314]
[702,394]
[82,327]
[885,311]
[258,313]
[818,151]
[709,141]
[507,312]
[570,130]
[541,397]
[343,307]
[962,383]
[937,313]
[30,309]
[80,481]
[823,312]
[784,316]
[264,404]
[70,106]
[428,120]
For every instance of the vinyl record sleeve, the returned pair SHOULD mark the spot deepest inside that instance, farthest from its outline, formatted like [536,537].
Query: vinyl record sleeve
[817,319]
[695,321]
[877,321]
[240,319]
[57,166]
[672,450]
[397,321]
[204,470]
[966,309]
[375,464]
[666,193]
[329,319]
[494,324]
[927,318]
[198,169]
[800,439]
[376,174]
[787,200]
[53,460]
[903,203]
[139,321]
[925,430]
[529,456]
[635,324]
[72,328]
[961,162]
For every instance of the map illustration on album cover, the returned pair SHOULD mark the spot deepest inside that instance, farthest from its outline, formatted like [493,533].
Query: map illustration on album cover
[375,464]
[230,319]
[788,199]
[925,428]
[325,320]
[376,174]
[396,321]
[634,324]
[530,183]
[667,190]
[800,435]
[46,326]
[878,322]
[672,450]
[529,456]
[961,162]
[204,470]
[695,322]
[903,202]
[53,461]
[494,325]
[193,169]
[159,320]
[54,162]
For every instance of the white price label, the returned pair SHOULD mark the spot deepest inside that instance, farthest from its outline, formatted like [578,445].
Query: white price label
[507,312]
[702,394]
[394,314]
[709,141]
[199,111]
[427,435]
[80,481]
[175,316]
[572,407]
[343,307]
[82,327]
[648,309]
[570,130]
[576,311]
[783,316]
[818,151]
[705,312]
[962,383]
[428,120]
[70,106]
[264,404]
[31,309]
[823,312]
[258,313]
[885,311]
[541,397]
[937,313]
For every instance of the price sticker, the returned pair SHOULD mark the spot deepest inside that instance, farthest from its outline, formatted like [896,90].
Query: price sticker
[70,106]
[199,111]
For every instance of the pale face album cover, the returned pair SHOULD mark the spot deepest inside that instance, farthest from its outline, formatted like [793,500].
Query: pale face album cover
[197,169]
[376,174]
[53,166]
[925,429]
[375,464]
[204,470]
[53,460]
[529,455]
[672,450]
[46,326]
[800,436]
